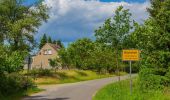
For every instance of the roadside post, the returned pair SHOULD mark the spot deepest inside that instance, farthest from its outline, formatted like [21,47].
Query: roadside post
[130,55]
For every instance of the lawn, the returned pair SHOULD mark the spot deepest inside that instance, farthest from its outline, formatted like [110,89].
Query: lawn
[121,91]
[70,76]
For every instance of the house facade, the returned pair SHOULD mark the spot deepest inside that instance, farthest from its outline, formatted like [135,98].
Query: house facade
[41,60]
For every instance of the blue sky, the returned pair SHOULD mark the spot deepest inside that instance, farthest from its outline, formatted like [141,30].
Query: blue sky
[74,19]
[130,1]
[140,1]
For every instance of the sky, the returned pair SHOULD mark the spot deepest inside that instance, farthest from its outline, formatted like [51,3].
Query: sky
[74,19]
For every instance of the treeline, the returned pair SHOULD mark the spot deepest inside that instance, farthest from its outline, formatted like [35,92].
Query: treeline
[104,54]
[153,39]
[87,55]
[120,32]
[47,39]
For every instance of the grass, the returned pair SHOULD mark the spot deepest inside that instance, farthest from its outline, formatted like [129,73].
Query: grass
[19,96]
[59,77]
[70,76]
[121,91]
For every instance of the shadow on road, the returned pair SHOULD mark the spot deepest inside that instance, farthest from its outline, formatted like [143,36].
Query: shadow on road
[43,98]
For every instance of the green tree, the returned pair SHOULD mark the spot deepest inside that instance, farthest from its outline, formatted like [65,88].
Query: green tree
[102,59]
[43,41]
[64,58]
[114,31]
[11,61]
[54,42]
[59,43]
[79,53]
[19,22]
[54,63]
[49,40]
[153,38]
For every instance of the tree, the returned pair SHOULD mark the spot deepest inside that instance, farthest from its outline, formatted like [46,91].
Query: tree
[64,58]
[54,63]
[19,22]
[49,40]
[79,53]
[153,38]
[102,59]
[59,43]
[11,61]
[54,42]
[114,31]
[43,41]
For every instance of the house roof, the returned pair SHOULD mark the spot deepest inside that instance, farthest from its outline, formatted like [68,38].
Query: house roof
[54,46]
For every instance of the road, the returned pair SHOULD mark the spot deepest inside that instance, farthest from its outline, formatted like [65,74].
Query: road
[73,91]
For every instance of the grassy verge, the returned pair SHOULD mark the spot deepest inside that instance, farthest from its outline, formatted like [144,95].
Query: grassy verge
[121,91]
[19,96]
[70,76]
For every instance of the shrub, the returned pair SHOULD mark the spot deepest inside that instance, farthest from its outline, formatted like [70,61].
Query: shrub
[149,80]
[45,72]
[14,83]
[11,61]
[40,72]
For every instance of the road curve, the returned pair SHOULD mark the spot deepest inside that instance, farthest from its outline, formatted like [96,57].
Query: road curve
[73,91]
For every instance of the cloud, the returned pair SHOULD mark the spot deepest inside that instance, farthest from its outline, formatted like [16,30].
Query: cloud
[74,19]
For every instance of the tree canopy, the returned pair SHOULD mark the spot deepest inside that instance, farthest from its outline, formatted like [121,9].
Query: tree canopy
[19,23]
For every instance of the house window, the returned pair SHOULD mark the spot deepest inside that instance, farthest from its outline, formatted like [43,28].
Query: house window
[47,52]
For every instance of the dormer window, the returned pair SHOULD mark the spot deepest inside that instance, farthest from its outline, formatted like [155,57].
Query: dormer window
[47,52]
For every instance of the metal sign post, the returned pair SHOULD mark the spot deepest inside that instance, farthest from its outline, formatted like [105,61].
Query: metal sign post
[130,77]
[130,55]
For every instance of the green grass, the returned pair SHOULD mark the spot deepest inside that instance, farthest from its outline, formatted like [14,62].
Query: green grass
[70,76]
[121,91]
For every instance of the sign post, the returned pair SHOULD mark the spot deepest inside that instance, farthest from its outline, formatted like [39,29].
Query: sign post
[130,77]
[130,55]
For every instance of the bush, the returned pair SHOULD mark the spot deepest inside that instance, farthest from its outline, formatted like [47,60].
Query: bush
[11,61]
[149,80]
[40,72]
[14,83]
[45,72]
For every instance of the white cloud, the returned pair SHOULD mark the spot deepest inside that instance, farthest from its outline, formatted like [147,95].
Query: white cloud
[73,19]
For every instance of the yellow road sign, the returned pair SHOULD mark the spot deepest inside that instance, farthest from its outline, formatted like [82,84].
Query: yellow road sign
[131,55]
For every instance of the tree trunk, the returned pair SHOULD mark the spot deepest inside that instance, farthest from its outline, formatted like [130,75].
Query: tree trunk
[117,63]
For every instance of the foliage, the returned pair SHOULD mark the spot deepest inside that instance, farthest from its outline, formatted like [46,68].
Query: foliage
[79,53]
[20,22]
[149,81]
[153,38]
[54,63]
[64,58]
[43,41]
[11,61]
[114,32]
[40,73]
[121,91]
[14,83]
[70,76]
[102,59]
[86,54]
[58,42]
[49,40]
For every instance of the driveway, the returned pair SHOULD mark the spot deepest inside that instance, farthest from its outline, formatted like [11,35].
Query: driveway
[73,91]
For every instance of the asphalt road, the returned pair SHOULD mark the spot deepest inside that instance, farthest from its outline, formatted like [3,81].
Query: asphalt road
[73,91]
